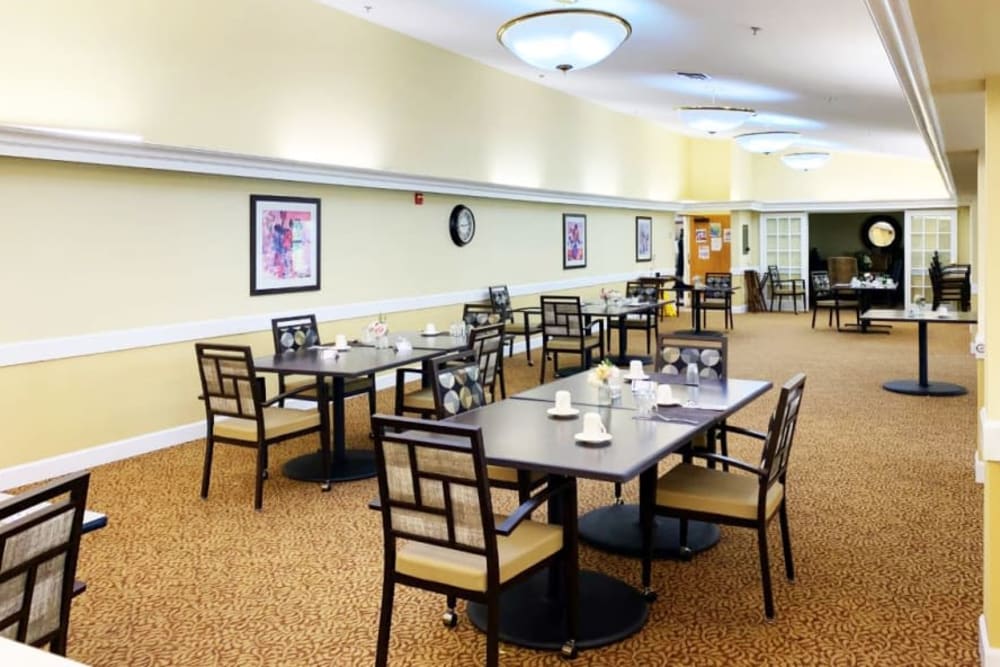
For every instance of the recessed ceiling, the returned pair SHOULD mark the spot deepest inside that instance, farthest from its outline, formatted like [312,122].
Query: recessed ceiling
[815,66]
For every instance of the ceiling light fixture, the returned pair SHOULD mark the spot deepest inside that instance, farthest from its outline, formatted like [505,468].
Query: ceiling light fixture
[766,142]
[564,39]
[714,119]
[805,161]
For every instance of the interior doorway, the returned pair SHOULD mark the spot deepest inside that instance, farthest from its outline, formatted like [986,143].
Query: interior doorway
[709,246]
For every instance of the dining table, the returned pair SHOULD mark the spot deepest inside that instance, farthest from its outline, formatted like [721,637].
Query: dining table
[864,292]
[326,362]
[922,386]
[617,528]
[617,314]
[697,294]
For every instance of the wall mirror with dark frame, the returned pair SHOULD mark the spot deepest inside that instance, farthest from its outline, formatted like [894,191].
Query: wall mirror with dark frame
[880,232]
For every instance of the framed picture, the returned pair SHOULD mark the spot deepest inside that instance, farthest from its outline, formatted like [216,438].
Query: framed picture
[284,244]
[574,241]
[643,239]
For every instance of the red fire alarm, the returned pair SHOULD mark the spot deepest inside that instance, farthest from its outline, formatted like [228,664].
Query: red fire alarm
[418,198]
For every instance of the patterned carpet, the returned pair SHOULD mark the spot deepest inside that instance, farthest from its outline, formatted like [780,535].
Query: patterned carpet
[885,520]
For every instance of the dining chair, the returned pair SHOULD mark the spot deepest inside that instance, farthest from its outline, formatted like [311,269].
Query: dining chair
[300,331]
[720,298]
[487,342]
[782,287]
[231,388]
[730,497]
[40,544]
[647,321]
[458,384]
[515,326]
[824,297]
[951,283]
[564,332]
[440,533]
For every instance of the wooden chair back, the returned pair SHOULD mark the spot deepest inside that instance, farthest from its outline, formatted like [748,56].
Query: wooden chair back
[457,383]
[645,292]
[293,333]
[780,433]
[229,384]
[676,351]
[718,280]
[478,314]
[500,300]
[39,546]
[561,316]
[487,344]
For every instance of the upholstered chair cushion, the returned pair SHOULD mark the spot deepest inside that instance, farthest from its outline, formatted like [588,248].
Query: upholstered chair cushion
[571,344]
[277,422]
[699,489]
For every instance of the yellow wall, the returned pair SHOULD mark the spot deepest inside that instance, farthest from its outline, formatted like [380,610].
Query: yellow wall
[296,79]
[708,169]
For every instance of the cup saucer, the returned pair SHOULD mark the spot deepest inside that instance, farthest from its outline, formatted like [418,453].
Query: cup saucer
[629,376]
[556,412]
[343,348]
[593,438]
[672,403]
[425,332]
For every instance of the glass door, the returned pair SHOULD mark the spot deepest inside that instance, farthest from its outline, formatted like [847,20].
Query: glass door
[785,243]
[925,233]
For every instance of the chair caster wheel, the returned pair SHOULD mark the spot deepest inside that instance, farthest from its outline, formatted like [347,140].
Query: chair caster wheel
[686,554]
[649,595]
[619,501]
[568,650]
[325,486]
[449,618]
[263,475]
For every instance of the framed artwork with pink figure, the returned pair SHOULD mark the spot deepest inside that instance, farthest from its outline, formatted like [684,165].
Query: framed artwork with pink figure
[284,244]
[574,241]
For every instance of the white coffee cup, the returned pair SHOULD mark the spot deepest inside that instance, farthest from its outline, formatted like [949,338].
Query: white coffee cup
[563,401]
[340,340]
[664,394]
[942,309]
[592,425]
[430,328]
[635,368]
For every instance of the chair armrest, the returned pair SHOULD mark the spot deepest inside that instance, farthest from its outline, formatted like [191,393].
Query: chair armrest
[286,394]
[529,506]
[402,372]
[728,460]
[739,430]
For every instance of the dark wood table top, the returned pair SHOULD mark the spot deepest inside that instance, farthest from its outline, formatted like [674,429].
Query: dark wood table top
[359,360]
[442,341]
[896,315]
[521,434]
[602,310]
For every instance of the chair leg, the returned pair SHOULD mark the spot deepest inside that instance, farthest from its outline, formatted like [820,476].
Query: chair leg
[258,493]
[385,620]
[815,310]
[207,470]
[541,375]
[527,348]
[493,630]
[765,571]
[786,541]
[618,494]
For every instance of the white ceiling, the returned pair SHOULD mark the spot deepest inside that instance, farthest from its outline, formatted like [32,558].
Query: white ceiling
[816,66]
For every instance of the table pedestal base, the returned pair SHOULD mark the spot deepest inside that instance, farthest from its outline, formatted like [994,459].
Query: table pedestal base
[357,464]
[615,529]
[699,332]
[914,388]
[610,611]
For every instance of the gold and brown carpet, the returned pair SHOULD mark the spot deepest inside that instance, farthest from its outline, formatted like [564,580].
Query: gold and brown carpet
[885,521]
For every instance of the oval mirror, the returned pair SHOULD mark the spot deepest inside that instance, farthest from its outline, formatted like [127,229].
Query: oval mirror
[881,234]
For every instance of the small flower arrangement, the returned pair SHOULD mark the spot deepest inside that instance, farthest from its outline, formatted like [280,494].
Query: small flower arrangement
[378,328]
[602,372]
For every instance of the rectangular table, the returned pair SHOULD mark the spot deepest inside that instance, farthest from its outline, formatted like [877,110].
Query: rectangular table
[520,434]
[346,464]
[442,341]
[864,293]
[921,386]
[619,313]
[697,291]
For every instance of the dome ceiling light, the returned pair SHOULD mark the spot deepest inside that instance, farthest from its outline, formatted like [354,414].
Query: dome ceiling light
[564,39]
[766,142]
[713,119]
[805,161]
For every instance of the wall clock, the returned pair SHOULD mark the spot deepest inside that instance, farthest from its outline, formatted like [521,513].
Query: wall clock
[462,225]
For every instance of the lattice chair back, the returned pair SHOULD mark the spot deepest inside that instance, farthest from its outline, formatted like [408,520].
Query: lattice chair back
[433,486]
[500,299]
[717,280]
[228,383]
[479,314]
[781,431]
[708,352]
[487,343]
[561,316]
[457,383]
[293,333]
[820,283]
[39,544]
[774,274]
[645,292]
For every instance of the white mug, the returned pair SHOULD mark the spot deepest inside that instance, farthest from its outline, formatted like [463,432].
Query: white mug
[340,340]
[664,394]
[635,368]
[592,424]
[430,328]
[942,309]
[563,401]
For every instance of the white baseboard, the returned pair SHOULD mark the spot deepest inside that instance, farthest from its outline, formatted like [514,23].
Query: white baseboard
[980,469]
[989,656]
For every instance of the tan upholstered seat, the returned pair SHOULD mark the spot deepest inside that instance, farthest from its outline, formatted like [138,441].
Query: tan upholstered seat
[529,543]
[700,489]
[571,344]
[565,332]
[440,534]
[277,422]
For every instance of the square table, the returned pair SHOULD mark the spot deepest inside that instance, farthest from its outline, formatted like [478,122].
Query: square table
[921,386]
[620,312]
[324,363]
[696,295]
[864,293]
[442,341]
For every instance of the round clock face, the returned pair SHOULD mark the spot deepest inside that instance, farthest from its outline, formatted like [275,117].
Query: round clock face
[462,225]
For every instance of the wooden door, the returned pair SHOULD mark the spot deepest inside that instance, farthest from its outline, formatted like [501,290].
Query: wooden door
[709,245]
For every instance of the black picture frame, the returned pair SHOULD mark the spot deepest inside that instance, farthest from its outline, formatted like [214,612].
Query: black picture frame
[574,234]
[284,244]
[643,238]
